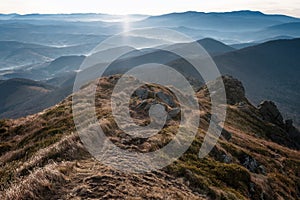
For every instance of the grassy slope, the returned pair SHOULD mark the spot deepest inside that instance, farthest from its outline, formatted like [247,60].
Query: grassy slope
[41,156]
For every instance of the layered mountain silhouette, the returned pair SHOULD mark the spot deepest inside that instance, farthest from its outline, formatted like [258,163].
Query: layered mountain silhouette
[17,55]
[240,20]
[268,70]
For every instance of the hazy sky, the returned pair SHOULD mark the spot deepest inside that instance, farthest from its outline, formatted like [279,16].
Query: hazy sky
[153,7]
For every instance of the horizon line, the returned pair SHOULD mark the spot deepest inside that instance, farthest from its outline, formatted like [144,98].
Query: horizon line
[95,13]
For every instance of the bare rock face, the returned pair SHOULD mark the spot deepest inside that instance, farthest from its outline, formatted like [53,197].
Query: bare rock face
[235,91]
[270,113]
[293,132]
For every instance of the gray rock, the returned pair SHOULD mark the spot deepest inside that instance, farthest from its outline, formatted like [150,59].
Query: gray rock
[141,93]
[226,159]
[288,124]
[166,98]
[250,163]
[174,112]
[235,91]
[270,113]
[293,132]
[143,105]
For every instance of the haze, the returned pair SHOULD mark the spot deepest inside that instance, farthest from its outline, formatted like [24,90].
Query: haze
[153,7]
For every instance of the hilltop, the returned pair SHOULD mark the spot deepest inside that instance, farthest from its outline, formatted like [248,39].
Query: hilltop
[256,157]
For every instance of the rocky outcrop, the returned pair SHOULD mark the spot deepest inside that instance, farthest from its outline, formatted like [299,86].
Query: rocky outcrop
[235,91]
[253,165]
[270,113]
[293,132]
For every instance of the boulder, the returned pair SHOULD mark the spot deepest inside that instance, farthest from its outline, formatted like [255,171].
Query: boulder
[174,112]
[250,163]
[141,93]
[165,98]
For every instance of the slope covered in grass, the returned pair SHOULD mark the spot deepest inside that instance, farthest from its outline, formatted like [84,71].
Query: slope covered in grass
[42,156]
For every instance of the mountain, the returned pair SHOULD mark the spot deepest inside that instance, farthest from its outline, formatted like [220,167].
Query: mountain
[293,28]
[54,33]
[42,156]
[239,20]
[254,43]
[212,46]
[163,55]
[15,54]
[243,45]
[21,97]
[80,29]
[73,17]
[64,64]
[260,67]
[268,71]
[285,29]
[47,70]
[19,55]
[281,37]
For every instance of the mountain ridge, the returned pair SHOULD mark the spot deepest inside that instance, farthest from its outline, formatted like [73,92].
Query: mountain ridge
[245,151]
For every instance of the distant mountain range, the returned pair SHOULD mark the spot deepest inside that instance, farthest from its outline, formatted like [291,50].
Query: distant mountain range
[269,70]
[17,54]
[239,26]
[257,48]
[238,20]
[230,27]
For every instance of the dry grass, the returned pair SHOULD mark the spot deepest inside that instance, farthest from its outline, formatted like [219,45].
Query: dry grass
[42,157]
[40,184]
